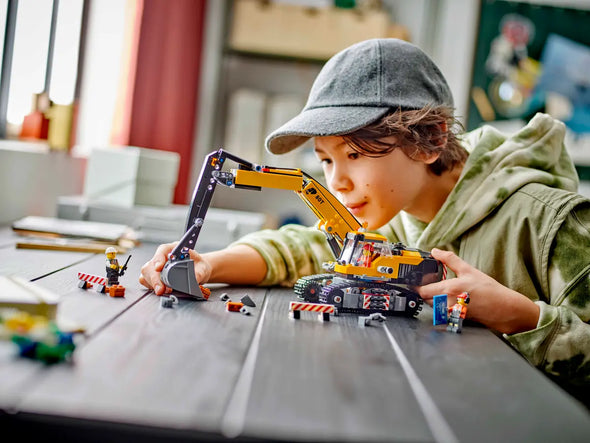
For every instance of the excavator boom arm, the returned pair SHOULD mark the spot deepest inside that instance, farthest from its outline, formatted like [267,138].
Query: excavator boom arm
[334,219]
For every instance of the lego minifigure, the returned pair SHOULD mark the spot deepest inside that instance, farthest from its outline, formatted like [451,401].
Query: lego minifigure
[458,312]
[114,270]
[366,256]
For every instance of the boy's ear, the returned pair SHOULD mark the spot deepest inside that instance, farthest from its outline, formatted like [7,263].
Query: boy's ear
[441,140]
[427,157]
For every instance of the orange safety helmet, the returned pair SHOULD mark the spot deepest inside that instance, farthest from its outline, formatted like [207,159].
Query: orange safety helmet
[464,296]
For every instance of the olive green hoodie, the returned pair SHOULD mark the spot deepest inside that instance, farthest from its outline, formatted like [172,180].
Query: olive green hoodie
[514,215]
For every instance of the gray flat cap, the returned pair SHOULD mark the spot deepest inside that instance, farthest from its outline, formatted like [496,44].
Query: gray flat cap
[361,84]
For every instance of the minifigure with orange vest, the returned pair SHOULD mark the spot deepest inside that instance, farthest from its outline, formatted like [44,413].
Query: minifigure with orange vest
[458,312]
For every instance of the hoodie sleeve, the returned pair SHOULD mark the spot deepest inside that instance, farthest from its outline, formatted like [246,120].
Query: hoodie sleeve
[560,345]
[290,252]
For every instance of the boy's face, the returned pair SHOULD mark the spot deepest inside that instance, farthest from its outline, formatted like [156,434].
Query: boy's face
[374,189]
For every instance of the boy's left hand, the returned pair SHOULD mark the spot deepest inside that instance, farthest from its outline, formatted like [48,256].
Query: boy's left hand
[492,304]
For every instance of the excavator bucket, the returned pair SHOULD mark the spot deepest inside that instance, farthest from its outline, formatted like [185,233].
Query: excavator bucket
[180,276]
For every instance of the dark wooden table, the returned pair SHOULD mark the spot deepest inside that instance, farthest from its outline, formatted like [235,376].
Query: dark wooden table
[196,372]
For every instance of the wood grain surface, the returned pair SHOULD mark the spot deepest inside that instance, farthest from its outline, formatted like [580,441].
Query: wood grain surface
[196,368]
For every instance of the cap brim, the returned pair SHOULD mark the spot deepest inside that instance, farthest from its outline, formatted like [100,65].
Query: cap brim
[319,122]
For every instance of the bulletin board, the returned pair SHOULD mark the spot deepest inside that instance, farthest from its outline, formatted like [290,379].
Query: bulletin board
[545,21]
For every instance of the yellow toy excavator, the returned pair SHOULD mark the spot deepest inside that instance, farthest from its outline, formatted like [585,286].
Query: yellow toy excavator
[368,270]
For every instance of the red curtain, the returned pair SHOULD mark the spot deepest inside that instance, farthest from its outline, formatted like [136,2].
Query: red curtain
[162,112]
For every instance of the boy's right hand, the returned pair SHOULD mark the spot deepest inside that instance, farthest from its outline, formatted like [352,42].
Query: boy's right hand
[150,272]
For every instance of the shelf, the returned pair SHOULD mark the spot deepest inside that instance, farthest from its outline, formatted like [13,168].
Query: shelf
[278,57]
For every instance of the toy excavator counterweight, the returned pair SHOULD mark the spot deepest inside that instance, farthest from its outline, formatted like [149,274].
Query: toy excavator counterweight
[368,271]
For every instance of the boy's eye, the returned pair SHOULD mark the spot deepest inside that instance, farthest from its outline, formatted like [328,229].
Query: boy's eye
[353,155]
[325,161]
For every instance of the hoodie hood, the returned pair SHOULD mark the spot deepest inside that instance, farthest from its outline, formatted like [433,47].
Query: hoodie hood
[498,165]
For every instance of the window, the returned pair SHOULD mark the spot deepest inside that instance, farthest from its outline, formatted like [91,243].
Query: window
[65,54]
[42,59]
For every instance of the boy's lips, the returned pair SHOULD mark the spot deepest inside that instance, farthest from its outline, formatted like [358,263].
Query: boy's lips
[356,208]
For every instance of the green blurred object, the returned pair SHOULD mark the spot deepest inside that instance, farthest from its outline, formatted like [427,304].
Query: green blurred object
[57,348]
[345,4]
[583,172]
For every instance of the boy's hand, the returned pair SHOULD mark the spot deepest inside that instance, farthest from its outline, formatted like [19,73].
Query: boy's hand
[492,304]
[150,272]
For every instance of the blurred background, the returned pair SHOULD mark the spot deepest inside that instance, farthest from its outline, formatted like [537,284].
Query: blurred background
[108,107]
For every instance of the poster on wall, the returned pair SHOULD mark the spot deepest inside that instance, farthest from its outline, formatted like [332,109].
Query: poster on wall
[531,58]
[565,81]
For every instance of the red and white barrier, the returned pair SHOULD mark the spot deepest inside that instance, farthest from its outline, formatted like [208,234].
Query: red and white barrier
[92,279]
[325,310]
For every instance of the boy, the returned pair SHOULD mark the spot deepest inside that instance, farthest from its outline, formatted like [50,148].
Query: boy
[501,212]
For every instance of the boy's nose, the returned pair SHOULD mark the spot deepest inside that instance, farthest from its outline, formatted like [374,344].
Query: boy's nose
[340,180]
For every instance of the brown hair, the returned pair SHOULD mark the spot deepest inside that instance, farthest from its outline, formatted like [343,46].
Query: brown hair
[421,131]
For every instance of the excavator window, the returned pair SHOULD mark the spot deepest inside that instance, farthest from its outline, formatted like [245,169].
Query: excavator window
[365,252]
[346,254]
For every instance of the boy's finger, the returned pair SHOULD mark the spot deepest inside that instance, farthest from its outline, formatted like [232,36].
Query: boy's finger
[152,279]
[429,291]
[453,286]
[450,259]
[144,282]
[160,288]
[163,250]
[194,255]
[159,265]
